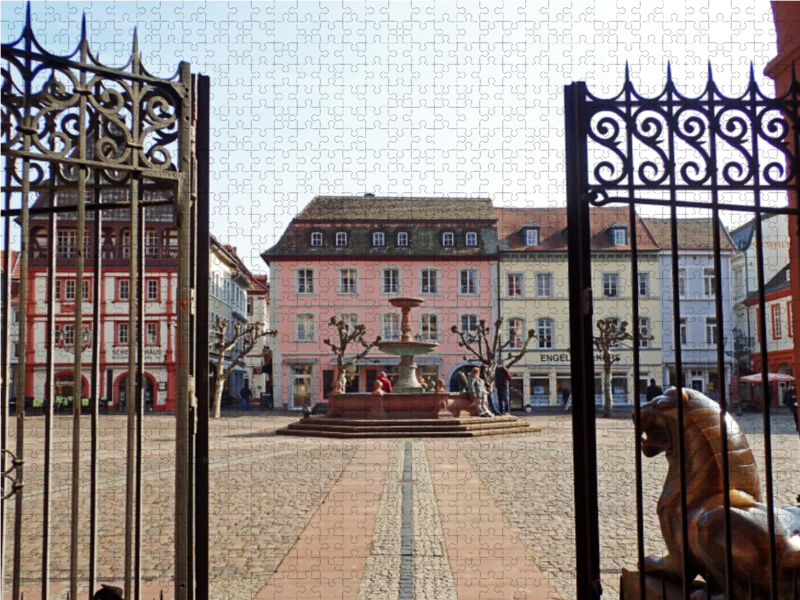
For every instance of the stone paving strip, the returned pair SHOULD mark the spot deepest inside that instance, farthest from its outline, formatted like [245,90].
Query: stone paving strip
[328,560]
[487,559]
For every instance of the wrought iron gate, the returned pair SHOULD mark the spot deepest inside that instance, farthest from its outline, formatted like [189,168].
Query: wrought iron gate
[711,154]
[84,146]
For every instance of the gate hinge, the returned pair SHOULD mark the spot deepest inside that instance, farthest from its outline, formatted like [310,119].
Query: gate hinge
[586,301]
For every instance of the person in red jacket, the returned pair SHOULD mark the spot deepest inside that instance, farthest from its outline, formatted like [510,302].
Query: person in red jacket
[385,382]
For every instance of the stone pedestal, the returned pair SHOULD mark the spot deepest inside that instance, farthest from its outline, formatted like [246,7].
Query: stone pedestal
[656,589]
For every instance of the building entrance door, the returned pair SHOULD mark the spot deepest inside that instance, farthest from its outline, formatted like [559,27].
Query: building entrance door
[300,387]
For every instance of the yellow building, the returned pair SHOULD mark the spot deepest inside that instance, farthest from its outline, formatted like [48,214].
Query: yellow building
[532,283]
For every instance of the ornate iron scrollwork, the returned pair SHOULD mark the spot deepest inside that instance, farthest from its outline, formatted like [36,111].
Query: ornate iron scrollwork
[11,475]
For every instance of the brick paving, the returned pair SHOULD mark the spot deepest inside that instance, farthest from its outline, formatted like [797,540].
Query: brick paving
[271,495]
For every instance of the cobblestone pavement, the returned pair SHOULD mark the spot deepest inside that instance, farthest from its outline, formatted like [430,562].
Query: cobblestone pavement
[531,480]
[265,489]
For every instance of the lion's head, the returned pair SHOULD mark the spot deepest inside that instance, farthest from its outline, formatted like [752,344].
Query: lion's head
[660,419]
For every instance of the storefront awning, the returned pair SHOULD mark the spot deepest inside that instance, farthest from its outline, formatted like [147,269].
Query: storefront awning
[299,361]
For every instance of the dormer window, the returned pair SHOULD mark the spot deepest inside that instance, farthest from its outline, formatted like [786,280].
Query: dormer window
[402,239]
[378,239]
[619,234]
[341,239]
[472,239]
[531,234]
[316,239]
[448,239]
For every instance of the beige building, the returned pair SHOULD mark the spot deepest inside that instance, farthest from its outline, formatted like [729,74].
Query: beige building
[532,285]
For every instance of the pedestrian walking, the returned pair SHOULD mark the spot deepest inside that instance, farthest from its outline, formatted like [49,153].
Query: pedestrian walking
[463,383]
[385,382]
[245,395]
[790,400]
[501,380]
[653,390]
[566,396]
[477,389]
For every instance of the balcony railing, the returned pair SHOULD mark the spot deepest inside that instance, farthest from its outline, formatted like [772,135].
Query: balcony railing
[112,254]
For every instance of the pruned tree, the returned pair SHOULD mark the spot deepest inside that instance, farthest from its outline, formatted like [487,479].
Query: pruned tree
[226,343]
[486,346]
[612,335]
[348,334]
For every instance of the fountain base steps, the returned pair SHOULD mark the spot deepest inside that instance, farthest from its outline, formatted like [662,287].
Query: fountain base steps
[397,426]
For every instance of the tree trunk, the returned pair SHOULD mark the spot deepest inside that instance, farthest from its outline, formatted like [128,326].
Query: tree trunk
[219,385]
[608,397]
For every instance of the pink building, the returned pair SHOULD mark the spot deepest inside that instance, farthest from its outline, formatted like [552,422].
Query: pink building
[347,256]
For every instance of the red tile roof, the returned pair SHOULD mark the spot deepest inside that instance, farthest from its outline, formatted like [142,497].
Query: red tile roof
[553,229]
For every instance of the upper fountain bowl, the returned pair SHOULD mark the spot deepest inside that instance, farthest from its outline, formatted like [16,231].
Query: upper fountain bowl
[406,302]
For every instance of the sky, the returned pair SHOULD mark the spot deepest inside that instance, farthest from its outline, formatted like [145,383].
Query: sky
[403,98]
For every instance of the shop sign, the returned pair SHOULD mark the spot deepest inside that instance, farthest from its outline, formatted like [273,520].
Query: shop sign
[151,354]
[554,358]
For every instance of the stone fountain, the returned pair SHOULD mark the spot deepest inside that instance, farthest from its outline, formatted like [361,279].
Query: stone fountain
[407,348]
[409,411]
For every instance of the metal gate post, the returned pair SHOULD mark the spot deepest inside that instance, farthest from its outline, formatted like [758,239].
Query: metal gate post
[587,534]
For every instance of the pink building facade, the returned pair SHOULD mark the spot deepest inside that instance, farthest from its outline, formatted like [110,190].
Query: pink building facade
[345,257]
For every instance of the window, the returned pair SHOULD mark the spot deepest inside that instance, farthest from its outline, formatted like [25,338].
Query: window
[86,286]
[125,237]
[429,327]
[152,289]
[682,283]
[544,331]
[644,333]
[472,239]
[615,321]
[684,332]
[789,323]
[390,281]
[67,335]
[468,279]
[316,239]
[350,320]
[515,328]
[531,237]
[738,280]
[57,291]
[151,243]
[390,326]
[122,333]
[777,325]
[610,285]
[305,281]
[469,323]
[305,328]
[619,236]
[515,283]
[402,239]
[429,281]
[644,284]
[709,282]
[69,289]
[341,239]
[711,330]
[151,334]
[66,243]
[378,239]
[124,289]
[448,239]
[249,306]
[348,280]
[544,285]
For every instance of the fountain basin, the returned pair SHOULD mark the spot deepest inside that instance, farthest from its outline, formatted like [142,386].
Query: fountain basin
[438,405]
[407,348]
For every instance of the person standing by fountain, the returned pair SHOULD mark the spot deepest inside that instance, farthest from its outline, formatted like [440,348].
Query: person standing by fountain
[501,379]
[385,383]
[477,390]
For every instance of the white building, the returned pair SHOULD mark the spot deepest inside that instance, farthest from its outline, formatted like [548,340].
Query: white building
[230,280]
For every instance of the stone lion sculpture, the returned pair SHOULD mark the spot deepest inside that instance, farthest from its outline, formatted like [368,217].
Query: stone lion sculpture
[706,513]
